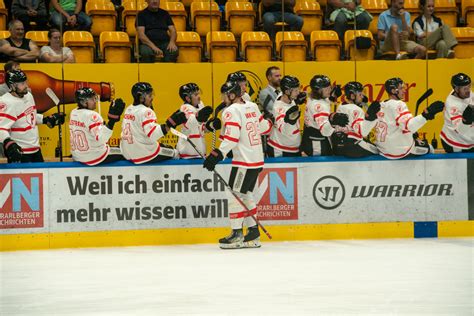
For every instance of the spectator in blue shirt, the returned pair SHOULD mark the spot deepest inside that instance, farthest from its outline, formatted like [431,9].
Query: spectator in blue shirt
[393,32]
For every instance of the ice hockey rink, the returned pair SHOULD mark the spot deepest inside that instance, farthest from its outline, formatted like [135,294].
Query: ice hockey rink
[391,276]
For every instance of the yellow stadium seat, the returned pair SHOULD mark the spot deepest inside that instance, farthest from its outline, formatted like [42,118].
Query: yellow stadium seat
[256,46]
[190,47]
[4,34]
[3,16]
[358,54]
[40,37]
[291,46]
[221,47]
[374,7]
[446,10]
[325,46]
[465,37]
[115,47]
[178,14]
[103,15]
[413,7]
[82,45]
[311,13]
[240,17]
[129,15]
[468,12]
[205,17]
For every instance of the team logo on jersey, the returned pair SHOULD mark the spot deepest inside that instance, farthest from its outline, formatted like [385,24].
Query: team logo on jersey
[277,194]
[3,106]
[21,200]
[329,192]
[227,116]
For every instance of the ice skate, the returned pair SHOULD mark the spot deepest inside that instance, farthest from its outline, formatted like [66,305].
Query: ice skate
[234,241]
[252,238]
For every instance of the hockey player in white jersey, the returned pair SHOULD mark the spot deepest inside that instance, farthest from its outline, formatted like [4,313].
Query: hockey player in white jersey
[88,133]
[241,79]
[285,137]
[319,122]
[140,132]
[197,121]
[19,121]
[349,140]
[396,125]
[243,126]
[457,134]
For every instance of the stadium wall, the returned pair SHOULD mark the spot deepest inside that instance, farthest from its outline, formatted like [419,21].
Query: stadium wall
[57,205]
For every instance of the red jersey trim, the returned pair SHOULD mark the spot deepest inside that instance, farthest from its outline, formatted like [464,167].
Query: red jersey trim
[94,125]
[151,131]
[398,156]
[247,164]
[147,158]
[453,143]
[8,116]
[147,122]
[232,124]
[21,129]
[98,160]
[232,139]
[30,150]
[456,117]
[286,148]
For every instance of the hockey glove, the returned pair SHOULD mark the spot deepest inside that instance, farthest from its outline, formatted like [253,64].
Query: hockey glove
[336,92]
[12,150]
[213,124]
[292,115]
[339,119]
[203,114]
[468,115]
[371,114]
[115,111]
[301,98]
[54,119]
[434,108]
[212,159]
[268,116]
[177,118]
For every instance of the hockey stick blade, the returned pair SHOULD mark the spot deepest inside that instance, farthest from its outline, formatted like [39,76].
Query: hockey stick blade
[52,96]
[423,97]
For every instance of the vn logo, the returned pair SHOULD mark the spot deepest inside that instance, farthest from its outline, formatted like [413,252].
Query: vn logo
[277,194]
[21,200]
[329,192]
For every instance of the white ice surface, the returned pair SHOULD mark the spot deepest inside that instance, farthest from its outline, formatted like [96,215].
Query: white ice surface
[409,276]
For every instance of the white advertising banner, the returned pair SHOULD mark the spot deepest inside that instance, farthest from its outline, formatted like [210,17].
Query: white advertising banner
[186,195]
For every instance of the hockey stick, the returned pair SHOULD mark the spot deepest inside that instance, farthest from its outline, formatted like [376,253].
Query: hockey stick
[56,101]
[181,135]
[423,97]
[218,108]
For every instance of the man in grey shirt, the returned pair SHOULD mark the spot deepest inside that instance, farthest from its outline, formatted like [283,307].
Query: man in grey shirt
[268,95]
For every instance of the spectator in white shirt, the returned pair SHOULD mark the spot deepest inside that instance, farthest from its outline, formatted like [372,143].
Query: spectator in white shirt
[55,52]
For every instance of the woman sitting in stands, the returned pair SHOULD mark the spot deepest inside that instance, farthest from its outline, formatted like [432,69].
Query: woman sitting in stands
[55,52]
[432,33]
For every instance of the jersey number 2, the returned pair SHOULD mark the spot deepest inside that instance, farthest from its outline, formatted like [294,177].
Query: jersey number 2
[252,130]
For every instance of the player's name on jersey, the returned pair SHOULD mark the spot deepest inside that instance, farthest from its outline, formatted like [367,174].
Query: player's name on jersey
[102,185]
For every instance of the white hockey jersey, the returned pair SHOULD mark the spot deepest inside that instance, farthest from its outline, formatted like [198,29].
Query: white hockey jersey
[358,127]
[246,97]
[394,129]
[243,125]
[89,137]
[284,136]
[454,131]
[19,120]
[195,132]
[140,134]
[316,115]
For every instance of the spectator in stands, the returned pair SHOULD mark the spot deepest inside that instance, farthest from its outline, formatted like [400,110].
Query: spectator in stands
[28,11]
[393,32]
[68,14]
[8,67]
[344,11]
[272,13]
[432,33]
[268,95]
[17,47]
[156,33]
[55,52]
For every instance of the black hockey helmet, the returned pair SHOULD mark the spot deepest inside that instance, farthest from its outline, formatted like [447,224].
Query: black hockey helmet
[319,82]
[460,80]
[15,76]
[353,87]
[231,87]
[236,76]
[83,94]
[289,82]
[139,89]
[392,83]
[187,90]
